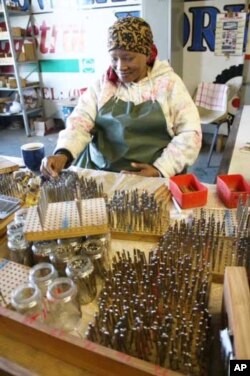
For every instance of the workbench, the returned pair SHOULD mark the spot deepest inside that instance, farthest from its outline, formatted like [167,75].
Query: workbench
[50,352]
[235,160]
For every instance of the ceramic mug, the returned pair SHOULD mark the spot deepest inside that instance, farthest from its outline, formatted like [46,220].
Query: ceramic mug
[32,154]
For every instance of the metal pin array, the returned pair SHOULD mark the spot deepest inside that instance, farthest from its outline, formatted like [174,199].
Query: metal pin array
[132,211]
[227,243]
[243,217]
[156,310]
[69,185]
[8,186]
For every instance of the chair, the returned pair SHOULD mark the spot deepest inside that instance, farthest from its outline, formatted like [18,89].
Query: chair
[211,100]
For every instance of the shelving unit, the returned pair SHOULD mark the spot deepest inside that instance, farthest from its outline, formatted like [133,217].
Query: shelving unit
[19,67]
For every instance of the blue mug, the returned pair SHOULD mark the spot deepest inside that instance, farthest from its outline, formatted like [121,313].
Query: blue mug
[32,154]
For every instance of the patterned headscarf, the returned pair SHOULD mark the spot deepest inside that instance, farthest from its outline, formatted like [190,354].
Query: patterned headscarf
[131,34]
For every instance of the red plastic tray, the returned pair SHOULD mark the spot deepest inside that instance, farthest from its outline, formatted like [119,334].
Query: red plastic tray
[230,188]
[188,191]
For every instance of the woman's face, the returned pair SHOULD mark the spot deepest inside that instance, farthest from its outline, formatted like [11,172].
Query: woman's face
[129,66]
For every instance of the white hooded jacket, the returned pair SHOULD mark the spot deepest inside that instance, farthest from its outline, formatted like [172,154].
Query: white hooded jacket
[161,84]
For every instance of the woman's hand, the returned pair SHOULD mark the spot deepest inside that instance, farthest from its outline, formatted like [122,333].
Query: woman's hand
[144,169]
[52,165]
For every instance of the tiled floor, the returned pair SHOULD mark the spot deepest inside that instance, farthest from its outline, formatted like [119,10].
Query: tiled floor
[12,137]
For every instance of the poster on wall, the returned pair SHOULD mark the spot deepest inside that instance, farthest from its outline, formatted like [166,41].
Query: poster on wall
[229,37]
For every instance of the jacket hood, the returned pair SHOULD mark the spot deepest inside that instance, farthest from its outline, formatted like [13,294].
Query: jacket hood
[160,68]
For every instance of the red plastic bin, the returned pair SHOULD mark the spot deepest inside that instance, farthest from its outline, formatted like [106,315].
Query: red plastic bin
[188,191]
[230,188]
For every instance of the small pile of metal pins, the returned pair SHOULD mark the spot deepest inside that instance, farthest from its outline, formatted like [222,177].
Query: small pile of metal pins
[8,186]
[157,310]
[132,211]
[64,188]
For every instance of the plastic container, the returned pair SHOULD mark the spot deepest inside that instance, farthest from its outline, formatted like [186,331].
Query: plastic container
[230,188]
[188,191]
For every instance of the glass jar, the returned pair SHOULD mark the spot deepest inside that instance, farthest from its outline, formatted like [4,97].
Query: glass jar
[20,215]
[81,270]
[64,308]
[19,247]
[42,249]
[75,243]
[42,275]
[27,299]
[97,252]
[61,255]
[106,241]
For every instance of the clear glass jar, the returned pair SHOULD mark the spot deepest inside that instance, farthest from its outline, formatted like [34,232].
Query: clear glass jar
[64,308]
[27,299]
[42,249]
[97,252]
[20,215]
[42,275]
[81,270]
[75,243]
[61,255]
[19,247]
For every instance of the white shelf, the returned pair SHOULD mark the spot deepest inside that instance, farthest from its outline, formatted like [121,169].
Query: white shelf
[32,70]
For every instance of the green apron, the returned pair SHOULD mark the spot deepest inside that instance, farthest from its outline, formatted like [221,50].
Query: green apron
[125,133]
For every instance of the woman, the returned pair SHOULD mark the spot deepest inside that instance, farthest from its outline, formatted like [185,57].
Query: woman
[138,118]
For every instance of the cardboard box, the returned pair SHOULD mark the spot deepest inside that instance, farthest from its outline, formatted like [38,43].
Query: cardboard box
[17,32]
[21,56]
[29,51]
[12,82]
[41,126]
[188,191]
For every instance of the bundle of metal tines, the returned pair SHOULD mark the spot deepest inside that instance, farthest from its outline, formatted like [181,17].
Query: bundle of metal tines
[227,241]
[156,310]
[8,186]
[243,217]
[134,211]
[64,188]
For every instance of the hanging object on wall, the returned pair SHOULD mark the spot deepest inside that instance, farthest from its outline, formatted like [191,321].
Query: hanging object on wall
[229,36]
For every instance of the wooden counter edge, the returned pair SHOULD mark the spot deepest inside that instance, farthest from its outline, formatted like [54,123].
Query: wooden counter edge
[78,352]
[236,296]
